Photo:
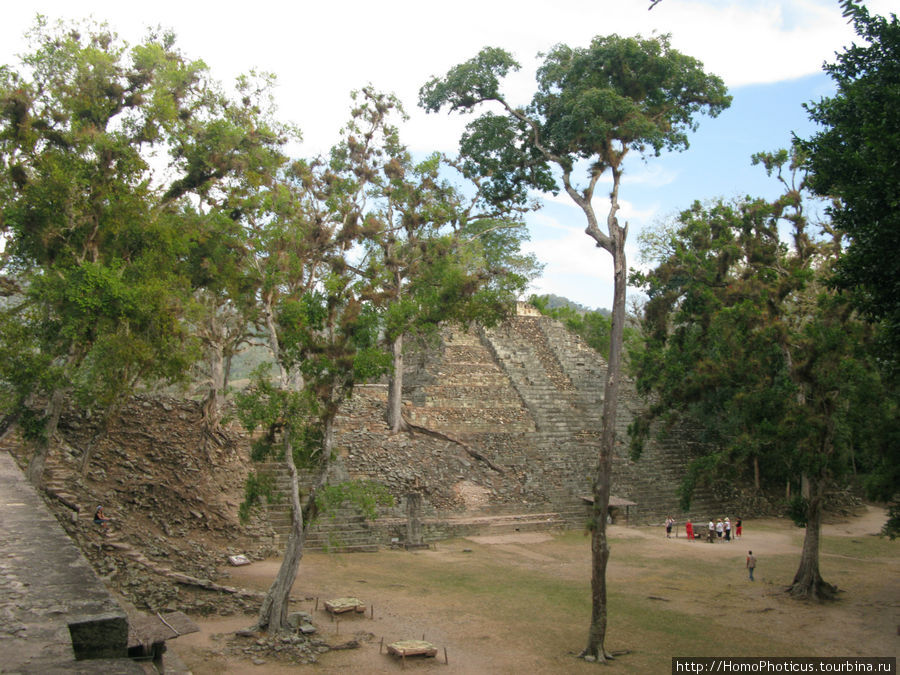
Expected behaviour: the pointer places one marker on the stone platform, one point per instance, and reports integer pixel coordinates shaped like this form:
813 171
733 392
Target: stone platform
55 614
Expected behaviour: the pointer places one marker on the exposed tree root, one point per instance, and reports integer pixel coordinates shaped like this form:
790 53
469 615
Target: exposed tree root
447 437
819 591
605 657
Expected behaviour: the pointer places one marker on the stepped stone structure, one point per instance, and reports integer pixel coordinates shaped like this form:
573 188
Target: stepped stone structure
505 427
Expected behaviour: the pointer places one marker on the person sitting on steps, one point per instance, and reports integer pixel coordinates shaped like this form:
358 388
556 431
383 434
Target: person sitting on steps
100 519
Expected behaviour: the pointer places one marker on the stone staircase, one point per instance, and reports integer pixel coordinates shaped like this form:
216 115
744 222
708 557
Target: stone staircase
528 395
344 530
347 530
561 381
468 392
552 385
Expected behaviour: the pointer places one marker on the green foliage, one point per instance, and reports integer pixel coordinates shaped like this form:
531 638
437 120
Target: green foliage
370 363
259 485
469 83
594 103
798 508
105 243
281 413
366 495
32 425
639 91
892 526
854 160
747 345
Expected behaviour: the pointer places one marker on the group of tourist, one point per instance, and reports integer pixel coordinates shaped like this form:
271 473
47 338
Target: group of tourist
720 529
715 529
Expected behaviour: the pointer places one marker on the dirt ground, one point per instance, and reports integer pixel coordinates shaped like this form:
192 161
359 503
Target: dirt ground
503 604
645 567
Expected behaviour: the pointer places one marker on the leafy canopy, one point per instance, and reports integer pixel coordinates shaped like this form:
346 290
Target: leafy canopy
594 103
854 160
745 342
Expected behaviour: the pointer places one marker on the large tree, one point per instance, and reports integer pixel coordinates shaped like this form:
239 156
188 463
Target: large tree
320 320
745 341
593 106
106 153
91 244
854 160
245 135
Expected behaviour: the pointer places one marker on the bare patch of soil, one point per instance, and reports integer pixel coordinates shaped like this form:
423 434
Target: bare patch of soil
667 573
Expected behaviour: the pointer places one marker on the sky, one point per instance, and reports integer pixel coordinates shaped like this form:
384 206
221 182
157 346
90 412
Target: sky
769 53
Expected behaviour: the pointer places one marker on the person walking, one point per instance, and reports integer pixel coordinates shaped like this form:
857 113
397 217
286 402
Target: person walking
751 563
737 531
689 530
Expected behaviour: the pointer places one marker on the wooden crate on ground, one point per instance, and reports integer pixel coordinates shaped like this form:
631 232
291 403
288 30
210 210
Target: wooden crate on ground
404 648
341 605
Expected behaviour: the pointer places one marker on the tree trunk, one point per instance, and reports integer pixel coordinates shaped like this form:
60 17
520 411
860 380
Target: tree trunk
35 472
284 377
274 611
596 649
395 388
808 583
756 483
226 374
215 397
102 430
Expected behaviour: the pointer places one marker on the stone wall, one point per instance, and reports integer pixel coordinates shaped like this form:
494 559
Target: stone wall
55 614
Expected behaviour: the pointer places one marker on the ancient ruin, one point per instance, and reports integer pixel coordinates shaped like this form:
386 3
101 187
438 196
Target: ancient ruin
505 424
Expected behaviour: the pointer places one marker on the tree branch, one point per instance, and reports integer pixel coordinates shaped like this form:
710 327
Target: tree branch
437 434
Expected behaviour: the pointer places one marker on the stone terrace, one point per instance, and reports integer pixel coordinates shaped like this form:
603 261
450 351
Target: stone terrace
50 597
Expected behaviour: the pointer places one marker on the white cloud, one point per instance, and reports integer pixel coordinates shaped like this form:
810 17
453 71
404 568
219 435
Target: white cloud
574 266
321 51
574 253
762 40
